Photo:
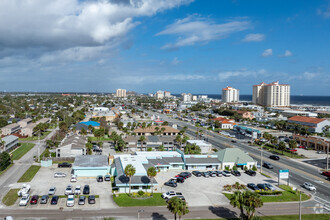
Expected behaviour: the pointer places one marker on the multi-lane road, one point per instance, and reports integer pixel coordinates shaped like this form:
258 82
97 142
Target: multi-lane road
299 172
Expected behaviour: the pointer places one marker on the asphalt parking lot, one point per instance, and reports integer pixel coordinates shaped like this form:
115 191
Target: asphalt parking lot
321 163
45 179
201 191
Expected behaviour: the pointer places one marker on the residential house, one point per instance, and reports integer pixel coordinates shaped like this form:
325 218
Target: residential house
10 129
23 123
225 123
72 146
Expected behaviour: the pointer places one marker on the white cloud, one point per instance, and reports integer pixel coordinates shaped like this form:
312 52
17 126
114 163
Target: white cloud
142 79
267 53
287 53
69 24
175 61
324 11
309 75
254 38
243 73
193 29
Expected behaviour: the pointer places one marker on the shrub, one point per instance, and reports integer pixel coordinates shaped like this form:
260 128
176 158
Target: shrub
245 168
141 193
271 193
149 149
235 168
254 168
227 168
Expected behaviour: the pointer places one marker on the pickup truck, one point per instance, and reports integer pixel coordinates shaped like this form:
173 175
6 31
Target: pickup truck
24 190
170 194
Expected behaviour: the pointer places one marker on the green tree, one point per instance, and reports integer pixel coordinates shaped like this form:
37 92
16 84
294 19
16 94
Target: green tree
178 139
252 201
89 147
165 123
83 131
5 160
192 149
129 172
177 207
142 139
161 148
152 172
281 146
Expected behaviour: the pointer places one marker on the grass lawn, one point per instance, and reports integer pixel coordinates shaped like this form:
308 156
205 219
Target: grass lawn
124 200
22 150
287 196
283 153
29 174
285 217
11 197
3 171
35 138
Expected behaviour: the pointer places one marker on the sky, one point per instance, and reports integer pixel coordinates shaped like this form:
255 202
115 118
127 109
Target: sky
196 46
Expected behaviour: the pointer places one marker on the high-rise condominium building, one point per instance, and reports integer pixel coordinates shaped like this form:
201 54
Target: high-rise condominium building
273 94
186 97
159 94
121 93
167 94
229 94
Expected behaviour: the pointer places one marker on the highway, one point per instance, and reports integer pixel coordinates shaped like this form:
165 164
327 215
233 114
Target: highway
299 172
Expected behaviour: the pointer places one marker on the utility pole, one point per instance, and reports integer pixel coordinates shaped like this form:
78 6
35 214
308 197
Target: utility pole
327 157
38 147
261 159
299 205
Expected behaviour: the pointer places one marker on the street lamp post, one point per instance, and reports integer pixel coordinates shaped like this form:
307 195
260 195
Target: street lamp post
327 157
299 205
261 159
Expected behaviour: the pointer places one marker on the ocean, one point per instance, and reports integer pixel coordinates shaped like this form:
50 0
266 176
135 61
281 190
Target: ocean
295 99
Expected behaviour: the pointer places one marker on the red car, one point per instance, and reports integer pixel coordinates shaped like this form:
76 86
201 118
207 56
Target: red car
326 173
293 150
302 147
34 199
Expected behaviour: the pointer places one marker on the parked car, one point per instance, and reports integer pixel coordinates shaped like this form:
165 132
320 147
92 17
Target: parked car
44 199
293 150
59 174
86 190
236 173
68 190
274 157
81 200
179 180
268 165
206 174
52 190
270 186
326 173
320 152
54 200
212 174
262 186
226 173
24 200
168 194
34 199
218 172
77 190
252 186
233 141
309 186
171 183
62 165
73 179
197 173
91 199
186 173
107 178
70 200
251 172
99 178
25 189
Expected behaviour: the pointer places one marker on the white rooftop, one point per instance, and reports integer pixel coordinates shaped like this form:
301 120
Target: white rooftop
158 154
198 142
136 161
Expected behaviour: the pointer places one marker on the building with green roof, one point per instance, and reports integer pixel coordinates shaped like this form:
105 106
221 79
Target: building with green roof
234 156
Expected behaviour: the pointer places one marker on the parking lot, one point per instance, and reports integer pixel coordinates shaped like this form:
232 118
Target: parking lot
201 191
45 179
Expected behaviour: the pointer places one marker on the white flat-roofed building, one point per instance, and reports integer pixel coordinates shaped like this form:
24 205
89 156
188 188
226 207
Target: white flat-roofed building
121 93
229 94
136 161
204 146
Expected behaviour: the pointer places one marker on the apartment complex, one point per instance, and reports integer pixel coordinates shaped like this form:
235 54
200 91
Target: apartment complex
121 93
229 94
273 94
186 97
159 94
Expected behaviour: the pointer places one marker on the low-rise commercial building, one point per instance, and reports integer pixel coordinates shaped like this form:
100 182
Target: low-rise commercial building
313 142
204 146
313 124
91 165
153 142
231 157
225 123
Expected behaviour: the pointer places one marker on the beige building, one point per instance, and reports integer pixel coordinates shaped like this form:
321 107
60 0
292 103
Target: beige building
229 94
121 93
23 123
28 130
273 94
10 129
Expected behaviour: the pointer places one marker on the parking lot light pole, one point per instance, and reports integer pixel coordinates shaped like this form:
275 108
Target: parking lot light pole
261 160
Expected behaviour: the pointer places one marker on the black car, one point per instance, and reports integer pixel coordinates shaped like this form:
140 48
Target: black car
274 157
99 178
197 173
64 165
252 186
91 199
236 173
251 172
107 178
86 190
186 174
179 180
171 184
233 141
54 200
268 165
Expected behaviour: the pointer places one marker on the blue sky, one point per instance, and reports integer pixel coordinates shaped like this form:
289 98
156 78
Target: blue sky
196 46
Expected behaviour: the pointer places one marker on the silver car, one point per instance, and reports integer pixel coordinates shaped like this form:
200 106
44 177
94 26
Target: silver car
59 174
52 191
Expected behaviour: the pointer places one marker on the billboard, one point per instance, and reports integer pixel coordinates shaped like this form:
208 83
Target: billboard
283 174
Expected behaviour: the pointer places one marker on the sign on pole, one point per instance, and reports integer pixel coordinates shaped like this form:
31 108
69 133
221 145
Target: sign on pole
283 174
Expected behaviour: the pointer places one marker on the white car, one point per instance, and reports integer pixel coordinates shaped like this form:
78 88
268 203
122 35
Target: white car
24 189
73 178
226 173
309 186
59 175
24 200
77 190
70 201
168 195
52 191
68 190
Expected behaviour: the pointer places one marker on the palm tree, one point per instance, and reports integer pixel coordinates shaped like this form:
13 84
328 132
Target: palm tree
237 200
152 172
281 146
252 201
178 139
142 139
162 130
157 130
129 172
177 206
